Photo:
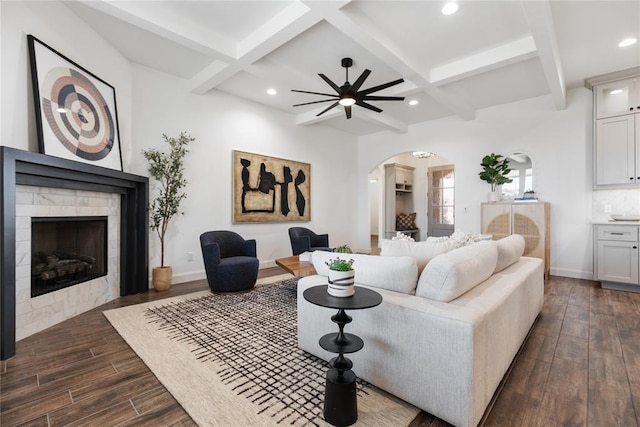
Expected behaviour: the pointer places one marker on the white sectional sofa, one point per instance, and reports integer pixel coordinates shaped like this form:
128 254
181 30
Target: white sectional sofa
445 334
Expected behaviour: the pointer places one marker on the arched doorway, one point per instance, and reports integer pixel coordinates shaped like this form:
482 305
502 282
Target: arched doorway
389 195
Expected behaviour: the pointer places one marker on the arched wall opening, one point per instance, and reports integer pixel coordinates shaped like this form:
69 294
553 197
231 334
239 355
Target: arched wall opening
388 198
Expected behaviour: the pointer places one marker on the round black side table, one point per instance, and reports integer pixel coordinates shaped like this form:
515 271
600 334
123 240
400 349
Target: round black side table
340 401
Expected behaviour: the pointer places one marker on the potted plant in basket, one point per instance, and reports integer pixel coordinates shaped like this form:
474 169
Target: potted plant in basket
341 278
495 169
168 170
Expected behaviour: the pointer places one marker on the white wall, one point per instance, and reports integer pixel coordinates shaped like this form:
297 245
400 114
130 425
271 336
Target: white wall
558 142
222 123
54 24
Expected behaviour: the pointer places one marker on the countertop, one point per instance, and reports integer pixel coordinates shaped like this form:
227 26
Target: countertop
612 222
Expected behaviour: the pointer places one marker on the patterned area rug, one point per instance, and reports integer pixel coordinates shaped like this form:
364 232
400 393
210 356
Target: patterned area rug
232 359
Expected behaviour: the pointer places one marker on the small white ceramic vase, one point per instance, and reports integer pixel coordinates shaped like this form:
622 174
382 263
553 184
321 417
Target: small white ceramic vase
341 283
494 196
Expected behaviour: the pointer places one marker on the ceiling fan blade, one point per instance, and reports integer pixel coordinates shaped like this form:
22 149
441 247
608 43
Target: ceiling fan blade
356 85
327 109
313 93
315 102
368 106
383 98
347 110
380 87
330 83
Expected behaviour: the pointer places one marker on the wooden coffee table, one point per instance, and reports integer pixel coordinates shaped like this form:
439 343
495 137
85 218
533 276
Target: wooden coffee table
296 267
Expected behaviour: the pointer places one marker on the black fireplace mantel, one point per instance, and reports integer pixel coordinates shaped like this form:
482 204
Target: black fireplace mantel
26 168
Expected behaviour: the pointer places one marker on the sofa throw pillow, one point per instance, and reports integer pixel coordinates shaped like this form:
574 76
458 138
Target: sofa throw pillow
423 252
406 221
450 275
510 249
398 274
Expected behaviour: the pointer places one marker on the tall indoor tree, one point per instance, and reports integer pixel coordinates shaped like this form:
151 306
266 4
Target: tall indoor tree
168 170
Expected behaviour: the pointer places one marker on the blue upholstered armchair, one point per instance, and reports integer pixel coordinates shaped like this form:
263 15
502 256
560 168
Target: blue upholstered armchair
305 240
229 261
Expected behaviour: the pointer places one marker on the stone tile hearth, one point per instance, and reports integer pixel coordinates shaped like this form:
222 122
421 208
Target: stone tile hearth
41 312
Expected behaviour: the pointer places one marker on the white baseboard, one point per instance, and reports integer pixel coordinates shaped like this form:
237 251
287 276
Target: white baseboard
201 275
574 274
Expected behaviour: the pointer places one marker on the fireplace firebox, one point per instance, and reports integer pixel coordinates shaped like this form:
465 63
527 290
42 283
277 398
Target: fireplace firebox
67 251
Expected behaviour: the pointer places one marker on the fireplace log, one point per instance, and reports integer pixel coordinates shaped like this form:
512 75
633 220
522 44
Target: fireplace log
74 256
60 264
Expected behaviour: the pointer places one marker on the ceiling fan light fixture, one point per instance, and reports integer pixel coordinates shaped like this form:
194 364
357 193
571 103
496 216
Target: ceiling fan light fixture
450 8
349 94
423 154
628 42
346 101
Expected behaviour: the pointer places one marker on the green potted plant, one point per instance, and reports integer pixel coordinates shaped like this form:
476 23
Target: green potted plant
168 170
341 278
495 171
343 249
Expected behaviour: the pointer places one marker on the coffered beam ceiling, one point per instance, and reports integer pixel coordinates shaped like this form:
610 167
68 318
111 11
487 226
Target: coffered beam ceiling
540 21
493 52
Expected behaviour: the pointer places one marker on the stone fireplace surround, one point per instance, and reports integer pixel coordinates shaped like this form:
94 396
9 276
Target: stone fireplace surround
31 169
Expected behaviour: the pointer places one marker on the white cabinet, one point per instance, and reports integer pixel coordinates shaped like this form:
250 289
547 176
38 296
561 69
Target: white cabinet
403 177
529 219
617 257
617 133
617 98
615 151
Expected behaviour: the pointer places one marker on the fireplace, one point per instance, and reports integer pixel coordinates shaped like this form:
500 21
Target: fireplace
67 251
119 195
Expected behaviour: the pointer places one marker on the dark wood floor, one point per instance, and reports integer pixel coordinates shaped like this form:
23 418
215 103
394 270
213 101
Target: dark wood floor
579 367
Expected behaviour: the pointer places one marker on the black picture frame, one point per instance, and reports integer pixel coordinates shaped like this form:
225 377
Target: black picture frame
76 113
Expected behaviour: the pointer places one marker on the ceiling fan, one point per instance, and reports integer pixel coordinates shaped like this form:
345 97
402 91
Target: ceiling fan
348 94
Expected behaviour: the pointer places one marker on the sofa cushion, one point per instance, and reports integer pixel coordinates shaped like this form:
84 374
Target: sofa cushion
423 252
406 221
510 249
398 274
452 274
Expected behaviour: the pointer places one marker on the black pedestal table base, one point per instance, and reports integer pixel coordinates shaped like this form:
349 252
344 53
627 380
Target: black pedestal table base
340 400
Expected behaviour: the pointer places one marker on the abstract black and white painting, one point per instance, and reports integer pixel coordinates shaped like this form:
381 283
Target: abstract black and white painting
270 189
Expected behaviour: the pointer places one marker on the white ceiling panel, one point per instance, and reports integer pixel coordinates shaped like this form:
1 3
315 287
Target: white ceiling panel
488 53
518 81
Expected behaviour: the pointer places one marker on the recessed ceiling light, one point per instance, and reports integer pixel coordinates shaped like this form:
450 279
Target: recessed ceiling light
272 91
615 91
449 8
414 102
627 42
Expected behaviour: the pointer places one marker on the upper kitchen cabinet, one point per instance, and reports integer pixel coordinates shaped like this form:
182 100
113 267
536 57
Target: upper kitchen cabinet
617 98
616 140
616 151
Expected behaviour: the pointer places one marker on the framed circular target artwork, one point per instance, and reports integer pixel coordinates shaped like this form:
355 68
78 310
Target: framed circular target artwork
76 112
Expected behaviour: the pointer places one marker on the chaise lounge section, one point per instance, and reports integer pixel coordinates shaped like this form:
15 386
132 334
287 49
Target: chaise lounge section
443 339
